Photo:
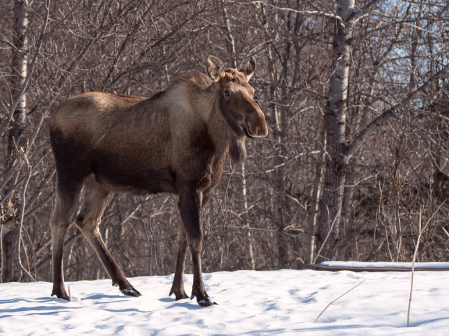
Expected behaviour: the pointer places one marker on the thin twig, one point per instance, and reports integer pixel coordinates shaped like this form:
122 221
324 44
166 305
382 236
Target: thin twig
328 234
413 269
433 215
447 233
338 298
22 214
414 256
32 253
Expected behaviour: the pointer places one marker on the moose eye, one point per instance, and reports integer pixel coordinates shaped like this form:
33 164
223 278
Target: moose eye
227 94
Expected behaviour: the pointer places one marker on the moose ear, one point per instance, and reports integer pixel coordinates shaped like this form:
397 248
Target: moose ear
248 67
215 68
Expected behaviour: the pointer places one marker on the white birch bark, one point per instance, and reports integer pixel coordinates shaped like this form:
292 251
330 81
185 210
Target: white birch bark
335 121
240 166
18 75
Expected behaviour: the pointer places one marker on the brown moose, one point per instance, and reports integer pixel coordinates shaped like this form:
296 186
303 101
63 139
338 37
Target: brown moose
177 142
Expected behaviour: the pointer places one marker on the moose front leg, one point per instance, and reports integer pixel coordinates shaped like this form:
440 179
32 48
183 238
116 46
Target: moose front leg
190 202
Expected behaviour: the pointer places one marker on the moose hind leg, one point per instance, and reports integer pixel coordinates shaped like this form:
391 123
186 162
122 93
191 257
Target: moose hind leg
190 202
66 198
88 221
177 287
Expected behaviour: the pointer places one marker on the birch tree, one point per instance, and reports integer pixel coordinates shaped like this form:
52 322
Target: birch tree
19 116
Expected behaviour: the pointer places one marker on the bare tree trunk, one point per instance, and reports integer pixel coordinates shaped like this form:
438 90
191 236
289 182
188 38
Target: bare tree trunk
19 70
361 117
335 120
347 231
19 73
280 115
240 166
282 205
412 82
314 206
229 36
244 212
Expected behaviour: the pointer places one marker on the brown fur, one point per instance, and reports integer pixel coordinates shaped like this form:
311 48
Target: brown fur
177 141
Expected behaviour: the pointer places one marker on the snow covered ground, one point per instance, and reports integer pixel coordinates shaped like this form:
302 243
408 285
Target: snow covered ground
282 302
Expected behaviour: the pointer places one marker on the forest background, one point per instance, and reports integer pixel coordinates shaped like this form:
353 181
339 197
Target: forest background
355 95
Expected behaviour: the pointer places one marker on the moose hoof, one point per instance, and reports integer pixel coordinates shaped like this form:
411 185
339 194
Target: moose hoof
131 292
65 297
206 303
60 295
179 296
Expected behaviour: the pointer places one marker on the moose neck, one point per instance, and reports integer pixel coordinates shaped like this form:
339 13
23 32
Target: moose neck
204 98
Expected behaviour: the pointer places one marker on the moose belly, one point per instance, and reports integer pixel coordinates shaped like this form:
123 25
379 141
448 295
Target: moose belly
125 175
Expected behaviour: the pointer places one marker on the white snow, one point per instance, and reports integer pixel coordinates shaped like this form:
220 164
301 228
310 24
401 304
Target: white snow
282 302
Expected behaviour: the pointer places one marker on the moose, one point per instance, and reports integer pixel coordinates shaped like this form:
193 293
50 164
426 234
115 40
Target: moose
177 141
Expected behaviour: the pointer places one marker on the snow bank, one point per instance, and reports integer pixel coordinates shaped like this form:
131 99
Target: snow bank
418 265
282 302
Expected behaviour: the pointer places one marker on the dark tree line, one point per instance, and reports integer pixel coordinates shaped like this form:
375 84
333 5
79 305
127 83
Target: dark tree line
355 95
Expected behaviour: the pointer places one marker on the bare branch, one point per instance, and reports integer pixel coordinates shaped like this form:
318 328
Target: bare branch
363 135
